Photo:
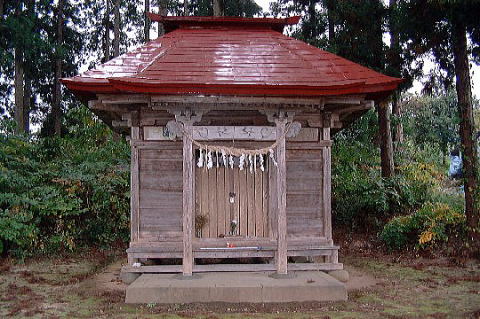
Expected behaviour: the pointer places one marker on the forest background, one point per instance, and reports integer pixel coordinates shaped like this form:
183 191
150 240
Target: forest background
64 175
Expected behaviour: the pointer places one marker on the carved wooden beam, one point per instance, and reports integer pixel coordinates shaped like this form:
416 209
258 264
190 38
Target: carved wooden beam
124 98
187 116
226 101
219 133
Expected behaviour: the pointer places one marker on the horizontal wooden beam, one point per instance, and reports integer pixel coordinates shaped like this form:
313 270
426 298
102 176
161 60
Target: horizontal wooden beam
195 100
124 98
294 243
345 99
366 105
237 133
233 267
123 124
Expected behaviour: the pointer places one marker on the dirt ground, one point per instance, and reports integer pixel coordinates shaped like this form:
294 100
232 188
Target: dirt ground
87 286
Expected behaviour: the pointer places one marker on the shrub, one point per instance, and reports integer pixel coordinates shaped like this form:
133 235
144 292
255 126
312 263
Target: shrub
432 224
64 193
363 199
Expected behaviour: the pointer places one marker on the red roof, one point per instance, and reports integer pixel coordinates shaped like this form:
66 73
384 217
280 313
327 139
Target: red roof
230 56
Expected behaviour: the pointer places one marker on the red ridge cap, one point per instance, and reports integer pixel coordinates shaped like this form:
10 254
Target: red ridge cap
171 23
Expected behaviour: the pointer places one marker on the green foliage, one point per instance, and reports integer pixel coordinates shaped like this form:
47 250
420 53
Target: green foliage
361 197
432 120
232 8
432 224
30 27
313 25
358 36
64 193
359 194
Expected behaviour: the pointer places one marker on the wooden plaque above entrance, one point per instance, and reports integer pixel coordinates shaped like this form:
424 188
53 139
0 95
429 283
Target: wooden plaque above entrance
240 133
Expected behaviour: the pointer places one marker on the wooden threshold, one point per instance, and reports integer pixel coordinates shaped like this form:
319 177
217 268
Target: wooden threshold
166 250
234 268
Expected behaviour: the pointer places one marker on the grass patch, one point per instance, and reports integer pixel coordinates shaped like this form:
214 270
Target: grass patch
65 287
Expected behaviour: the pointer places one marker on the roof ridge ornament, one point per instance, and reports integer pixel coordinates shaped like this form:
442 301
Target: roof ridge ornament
174 22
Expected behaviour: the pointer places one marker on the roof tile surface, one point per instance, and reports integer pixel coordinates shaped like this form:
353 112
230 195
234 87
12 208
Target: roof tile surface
231 60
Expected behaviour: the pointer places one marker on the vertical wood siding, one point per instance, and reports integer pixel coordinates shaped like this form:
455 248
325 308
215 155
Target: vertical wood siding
250 207
160 194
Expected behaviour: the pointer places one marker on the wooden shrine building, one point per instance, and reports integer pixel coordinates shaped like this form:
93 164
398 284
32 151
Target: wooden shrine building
230 125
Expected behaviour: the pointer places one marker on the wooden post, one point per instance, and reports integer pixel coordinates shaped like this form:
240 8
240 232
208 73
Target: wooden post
327 179
188 194
280 118
134 186
281 197
187 118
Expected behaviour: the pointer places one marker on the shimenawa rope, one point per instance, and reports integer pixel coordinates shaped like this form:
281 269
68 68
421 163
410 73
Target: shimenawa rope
230 150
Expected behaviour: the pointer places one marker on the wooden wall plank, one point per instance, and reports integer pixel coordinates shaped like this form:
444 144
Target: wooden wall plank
242 193
250 204
212 201
157 199
221 200
265 207
272 203
229 188
198 199
258 207
163 154
205 208
236 205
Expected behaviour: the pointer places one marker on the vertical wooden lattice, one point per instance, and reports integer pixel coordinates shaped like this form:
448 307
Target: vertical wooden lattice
214 189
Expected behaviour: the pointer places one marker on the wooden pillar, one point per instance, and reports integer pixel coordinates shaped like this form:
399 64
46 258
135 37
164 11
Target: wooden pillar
280 118
185 117
188 194
327 179
281 197
134 182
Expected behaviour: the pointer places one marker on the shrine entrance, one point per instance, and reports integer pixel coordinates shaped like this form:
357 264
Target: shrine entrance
231 202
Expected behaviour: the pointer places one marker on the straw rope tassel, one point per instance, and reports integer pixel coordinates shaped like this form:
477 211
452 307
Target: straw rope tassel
245 155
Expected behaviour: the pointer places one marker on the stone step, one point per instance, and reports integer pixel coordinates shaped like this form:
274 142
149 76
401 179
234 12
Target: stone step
235 287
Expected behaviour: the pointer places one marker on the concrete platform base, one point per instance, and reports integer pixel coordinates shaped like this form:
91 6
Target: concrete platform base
236 287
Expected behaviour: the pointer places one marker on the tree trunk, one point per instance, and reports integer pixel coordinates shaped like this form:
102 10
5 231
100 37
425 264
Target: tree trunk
106 35
19 92
27 102
218 9
384 112
1 9
57 97
186 12
386 146
162 10
19 80
331 21
395 64
116 29
311 32
397 113
147 21
465 109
